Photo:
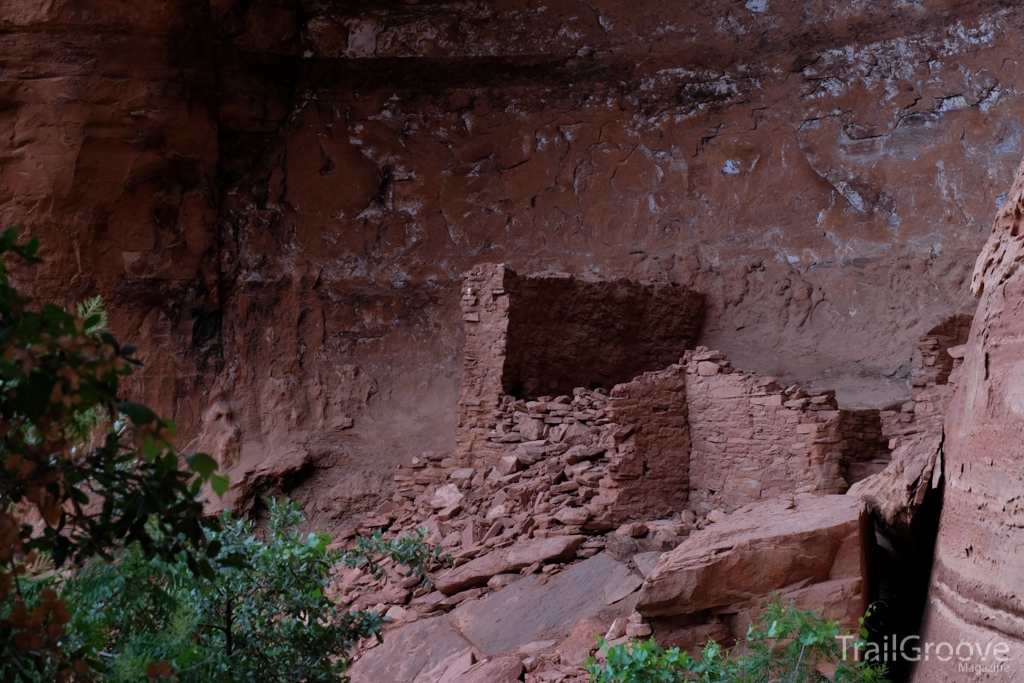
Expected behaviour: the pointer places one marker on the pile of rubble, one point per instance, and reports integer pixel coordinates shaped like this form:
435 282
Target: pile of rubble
538 498
536 511
551 417
534 508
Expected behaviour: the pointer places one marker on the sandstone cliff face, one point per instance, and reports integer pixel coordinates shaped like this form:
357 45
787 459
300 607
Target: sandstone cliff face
278 197
976 589
109 155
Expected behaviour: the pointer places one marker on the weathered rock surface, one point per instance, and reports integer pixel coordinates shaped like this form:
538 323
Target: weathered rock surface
500 670
110 156
895 494
450 670
646 562
810 548
535 614
277 199
408 651
977 587
535 609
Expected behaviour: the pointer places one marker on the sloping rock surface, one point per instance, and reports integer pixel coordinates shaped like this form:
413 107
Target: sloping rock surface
895 494
406 652
531 610
536 609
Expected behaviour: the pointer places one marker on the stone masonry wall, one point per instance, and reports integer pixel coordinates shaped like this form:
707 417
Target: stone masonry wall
649 473
697 435
931 388
600 331
633 444
867 449
936 361
753 439
485 318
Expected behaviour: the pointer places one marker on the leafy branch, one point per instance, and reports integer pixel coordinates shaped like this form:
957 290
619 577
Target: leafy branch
783 645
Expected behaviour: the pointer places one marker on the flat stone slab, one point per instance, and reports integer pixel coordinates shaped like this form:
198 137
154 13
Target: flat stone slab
478 572
527 610
646 562
407 651
500 670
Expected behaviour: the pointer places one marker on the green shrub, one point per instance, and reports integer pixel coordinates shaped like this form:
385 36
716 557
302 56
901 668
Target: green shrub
783 645
263 616
91 469
164 592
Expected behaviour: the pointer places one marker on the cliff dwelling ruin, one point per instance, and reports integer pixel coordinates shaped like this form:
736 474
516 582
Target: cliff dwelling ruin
626 304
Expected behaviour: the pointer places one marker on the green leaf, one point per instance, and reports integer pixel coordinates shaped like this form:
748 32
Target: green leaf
136 412
10 238
206 569
234 560
150 449
31 248
220 484
202 464
80 496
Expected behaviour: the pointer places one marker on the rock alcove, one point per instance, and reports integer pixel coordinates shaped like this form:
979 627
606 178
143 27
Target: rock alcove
768 213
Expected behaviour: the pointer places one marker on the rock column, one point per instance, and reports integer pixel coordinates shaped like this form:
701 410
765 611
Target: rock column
976 596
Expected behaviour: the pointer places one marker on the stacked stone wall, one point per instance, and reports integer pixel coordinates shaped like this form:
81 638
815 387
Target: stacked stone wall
537 334
485 318
754 439
698 435
867 449
649 473
637 438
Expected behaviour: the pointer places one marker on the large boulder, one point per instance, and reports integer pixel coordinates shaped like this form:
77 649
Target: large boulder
500 670
409 651
809 548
